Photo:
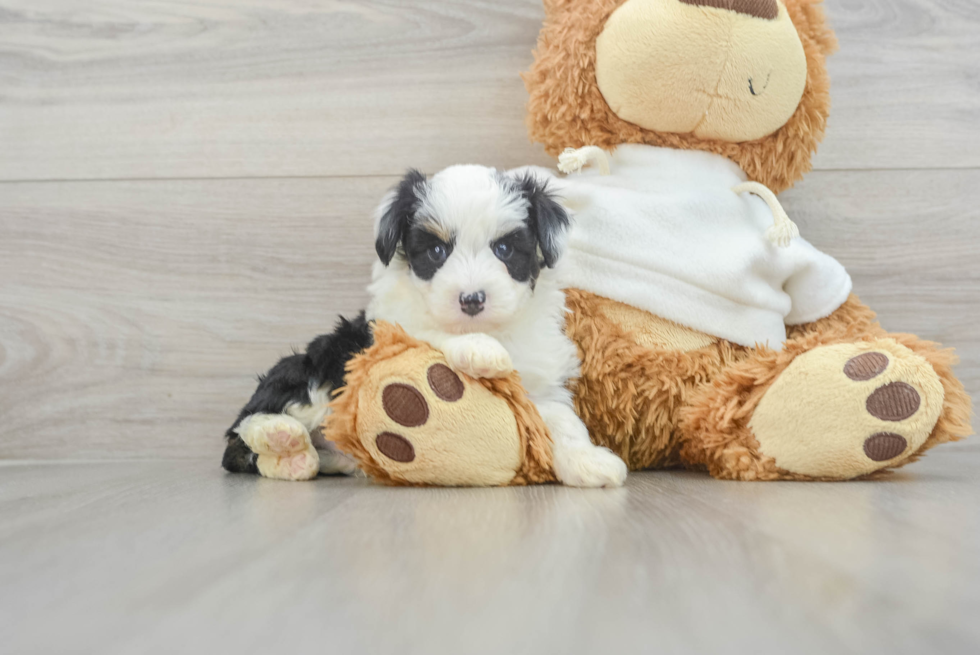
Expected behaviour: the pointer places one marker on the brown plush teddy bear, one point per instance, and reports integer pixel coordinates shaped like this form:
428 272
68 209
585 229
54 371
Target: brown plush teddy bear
712 337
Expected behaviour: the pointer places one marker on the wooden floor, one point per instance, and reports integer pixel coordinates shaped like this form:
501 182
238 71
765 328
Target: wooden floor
185 192
171 557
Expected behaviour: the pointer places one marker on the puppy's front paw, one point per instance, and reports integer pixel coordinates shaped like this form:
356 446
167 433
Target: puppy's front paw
589 466
478 356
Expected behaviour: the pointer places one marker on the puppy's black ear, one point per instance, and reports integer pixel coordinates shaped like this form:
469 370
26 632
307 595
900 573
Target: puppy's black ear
546 218
396 216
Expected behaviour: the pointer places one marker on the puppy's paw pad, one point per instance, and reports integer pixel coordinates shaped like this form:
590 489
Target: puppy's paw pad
285 441
590 467
274 434
299 466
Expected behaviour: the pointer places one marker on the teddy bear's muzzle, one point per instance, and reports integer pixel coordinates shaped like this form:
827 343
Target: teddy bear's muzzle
730 70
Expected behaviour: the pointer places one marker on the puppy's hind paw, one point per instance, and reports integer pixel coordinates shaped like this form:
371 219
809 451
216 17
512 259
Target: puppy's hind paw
589 466
283 446
303 465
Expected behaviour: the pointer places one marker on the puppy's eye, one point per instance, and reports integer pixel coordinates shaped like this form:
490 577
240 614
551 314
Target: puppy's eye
503 251
437 253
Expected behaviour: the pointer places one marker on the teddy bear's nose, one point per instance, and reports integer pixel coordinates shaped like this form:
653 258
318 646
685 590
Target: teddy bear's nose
767 9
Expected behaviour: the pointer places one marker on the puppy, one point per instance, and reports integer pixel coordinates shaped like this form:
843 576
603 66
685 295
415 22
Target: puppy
469 261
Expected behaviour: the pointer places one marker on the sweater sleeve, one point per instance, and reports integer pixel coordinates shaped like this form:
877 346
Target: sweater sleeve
818 284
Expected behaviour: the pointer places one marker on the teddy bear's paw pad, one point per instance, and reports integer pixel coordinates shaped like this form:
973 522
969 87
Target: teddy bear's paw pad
405 405
847 410
434 426
445 383
395 447
884 446
866 366
589 466
896 401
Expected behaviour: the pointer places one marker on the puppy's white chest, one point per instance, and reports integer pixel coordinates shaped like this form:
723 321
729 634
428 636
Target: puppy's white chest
543 363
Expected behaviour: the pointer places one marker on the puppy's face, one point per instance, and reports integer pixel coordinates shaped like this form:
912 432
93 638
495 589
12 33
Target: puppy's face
473 242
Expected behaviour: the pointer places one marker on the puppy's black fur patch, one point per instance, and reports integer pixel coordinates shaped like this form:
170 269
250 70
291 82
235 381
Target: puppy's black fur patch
522 263
546 218
291 379
397 218
419 247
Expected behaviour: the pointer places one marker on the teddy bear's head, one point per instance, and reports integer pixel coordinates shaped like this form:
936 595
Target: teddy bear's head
745 79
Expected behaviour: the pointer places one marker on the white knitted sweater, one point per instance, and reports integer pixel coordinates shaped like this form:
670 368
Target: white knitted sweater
665 232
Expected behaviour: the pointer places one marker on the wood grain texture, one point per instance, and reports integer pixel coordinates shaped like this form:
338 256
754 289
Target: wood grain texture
261 87
255 88
134 315
903 85
166 557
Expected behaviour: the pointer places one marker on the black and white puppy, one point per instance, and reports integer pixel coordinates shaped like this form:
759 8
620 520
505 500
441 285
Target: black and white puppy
469 261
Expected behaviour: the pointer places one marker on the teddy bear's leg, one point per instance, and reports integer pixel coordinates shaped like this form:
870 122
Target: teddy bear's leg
282 445
843 399
638 372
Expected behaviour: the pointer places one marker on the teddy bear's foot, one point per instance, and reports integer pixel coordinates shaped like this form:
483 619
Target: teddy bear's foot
845 410
419 422
282 445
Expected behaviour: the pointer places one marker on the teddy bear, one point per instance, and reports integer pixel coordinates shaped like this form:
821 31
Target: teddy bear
712 336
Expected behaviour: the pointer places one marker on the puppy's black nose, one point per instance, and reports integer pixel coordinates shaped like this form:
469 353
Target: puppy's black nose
472 303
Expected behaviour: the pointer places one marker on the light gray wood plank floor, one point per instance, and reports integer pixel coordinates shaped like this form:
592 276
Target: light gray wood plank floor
179 557
185 194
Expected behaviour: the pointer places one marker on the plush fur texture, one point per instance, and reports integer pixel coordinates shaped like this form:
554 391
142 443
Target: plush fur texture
719 414
660 407
391 342
630 396
567 110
